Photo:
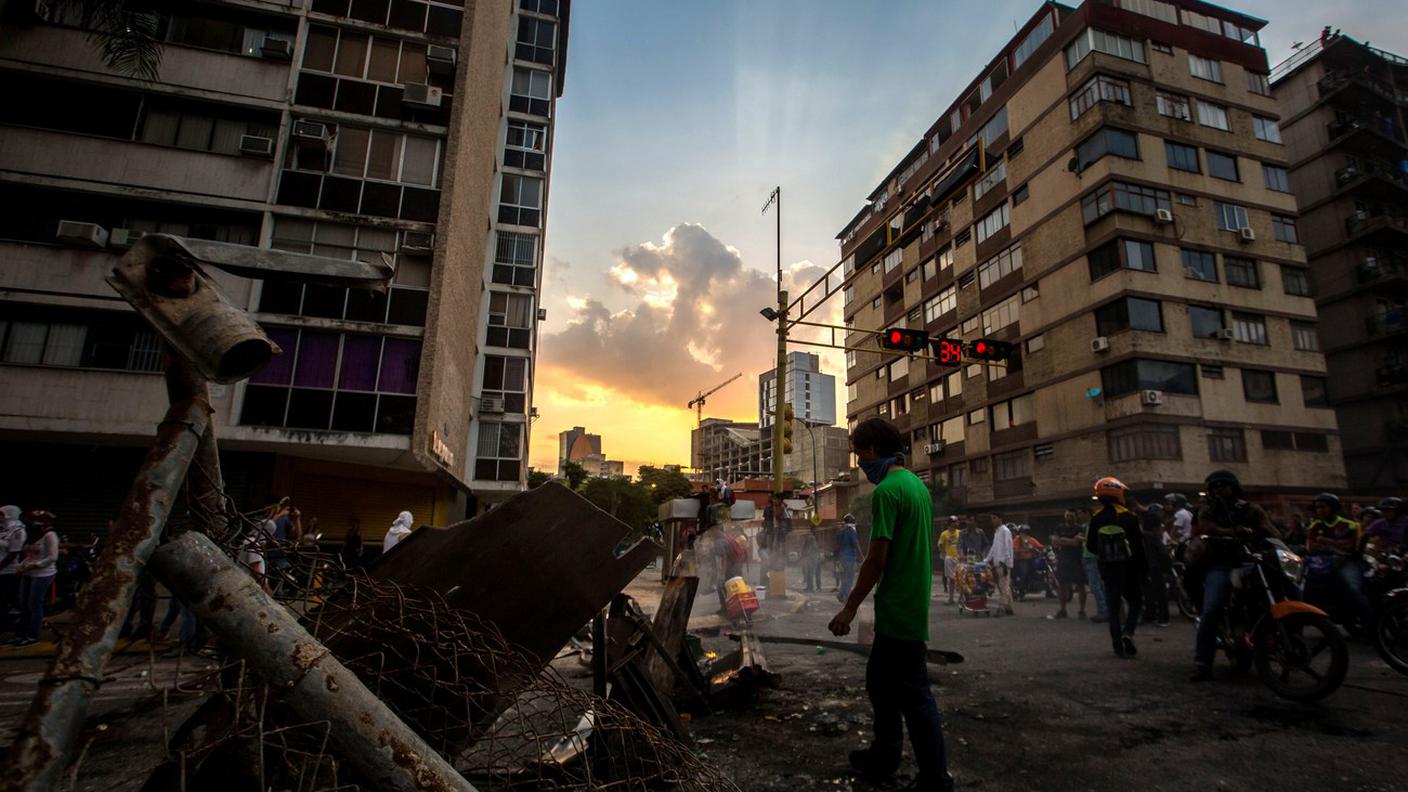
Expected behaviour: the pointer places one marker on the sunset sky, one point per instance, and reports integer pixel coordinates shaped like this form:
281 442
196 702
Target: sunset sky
677 121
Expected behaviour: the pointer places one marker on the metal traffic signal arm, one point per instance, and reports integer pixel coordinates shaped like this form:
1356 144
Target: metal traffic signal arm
983 350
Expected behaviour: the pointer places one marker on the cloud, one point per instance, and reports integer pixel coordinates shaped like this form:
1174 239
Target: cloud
694 321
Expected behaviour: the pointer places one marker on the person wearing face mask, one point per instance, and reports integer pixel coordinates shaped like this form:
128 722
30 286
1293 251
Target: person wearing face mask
900 559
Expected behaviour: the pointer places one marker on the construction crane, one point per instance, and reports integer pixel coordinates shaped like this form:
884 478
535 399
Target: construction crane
698 401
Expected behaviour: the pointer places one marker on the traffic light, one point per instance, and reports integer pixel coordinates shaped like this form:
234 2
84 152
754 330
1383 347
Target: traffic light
902 339
990 350
947 351
788 415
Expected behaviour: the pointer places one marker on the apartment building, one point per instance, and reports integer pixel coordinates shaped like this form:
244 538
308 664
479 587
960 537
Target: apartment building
1109 193
1343 104
729 450
811 392
344 128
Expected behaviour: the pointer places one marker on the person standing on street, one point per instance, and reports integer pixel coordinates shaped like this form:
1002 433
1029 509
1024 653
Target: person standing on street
948 551
12 536
1115 538
1025 549
900 559
999 560
1158 564
811 562
37 570
848 552
1069 541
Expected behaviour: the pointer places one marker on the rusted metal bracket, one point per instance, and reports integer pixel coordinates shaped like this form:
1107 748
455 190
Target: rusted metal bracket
267 264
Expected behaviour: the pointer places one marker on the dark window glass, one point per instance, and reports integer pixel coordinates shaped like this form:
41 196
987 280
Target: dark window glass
1020 195
1134 375
1259 386
1310 441
263 405
407 15
1130 313
354 412
1181 157
325 302
1241 272
1199 265
315 90
1222 166
1104 259
1207 322
1295 281
1139 256
396 414
280 297
1227 445
1313 391
309 409
1108 140
1277 441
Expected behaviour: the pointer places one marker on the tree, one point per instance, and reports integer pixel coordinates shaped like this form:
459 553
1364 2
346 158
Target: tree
128 34
537 478
664 484
575 474
626 500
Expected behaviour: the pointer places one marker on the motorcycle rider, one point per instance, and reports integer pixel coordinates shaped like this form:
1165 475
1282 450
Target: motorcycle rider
1025 549
1114 537
1392 527
1331 533
1182 517
1224 519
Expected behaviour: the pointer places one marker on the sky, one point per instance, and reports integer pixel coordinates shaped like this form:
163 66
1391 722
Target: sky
677 121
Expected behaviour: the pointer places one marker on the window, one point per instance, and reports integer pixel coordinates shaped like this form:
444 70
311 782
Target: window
1305 337
910 277
1034 39
1266 129
515 258
1284 229
971 324
995 128
995 176
1227 445
532 92
947 300
944 258
1013 466
1173 106
1206 322
340 382
1199 265
1001 315
510 320
1185 199
992 222
1152 442
1259 386
1213 115
961 239
387 156
1123 197
1241 272
936 392
1129 313
537 39
899 369
1108 43
976 417
1030 293
1205 68
1000 266
1160 47
1258 83
1295 281
521 200
1276 178
507 378
1152 8
1238 33
1181 157
1314 391
1036 343
958 476
1212 371
1108 140
1126 253
1294 441
526 145
1099 89
196 130
893 259
405 304
1222 166
849 293
1249 328
499 453
951 431
953 384
1210 24
1015 147
1135 375
1020 195
545 7
362 57
1231 217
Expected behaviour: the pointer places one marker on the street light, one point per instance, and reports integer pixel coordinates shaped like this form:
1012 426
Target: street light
769 314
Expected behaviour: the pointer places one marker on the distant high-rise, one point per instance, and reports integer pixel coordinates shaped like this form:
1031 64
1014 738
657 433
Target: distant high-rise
575 444
812 393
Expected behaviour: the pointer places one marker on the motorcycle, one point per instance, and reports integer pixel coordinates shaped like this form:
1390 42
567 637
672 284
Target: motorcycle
1388 576
1298 651
1040 576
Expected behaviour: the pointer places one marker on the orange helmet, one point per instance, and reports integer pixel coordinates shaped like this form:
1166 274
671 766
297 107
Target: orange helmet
1110 487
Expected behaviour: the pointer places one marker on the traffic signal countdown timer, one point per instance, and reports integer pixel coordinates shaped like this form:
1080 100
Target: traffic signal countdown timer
946 351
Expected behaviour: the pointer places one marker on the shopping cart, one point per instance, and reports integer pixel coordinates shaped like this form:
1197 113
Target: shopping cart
974 586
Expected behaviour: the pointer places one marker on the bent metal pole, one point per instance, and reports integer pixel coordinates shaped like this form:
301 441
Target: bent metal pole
227 600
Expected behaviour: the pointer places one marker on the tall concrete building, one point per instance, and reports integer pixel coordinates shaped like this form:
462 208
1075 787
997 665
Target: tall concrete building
729 450
575 444
343 128
1343 106
811 393
1109 193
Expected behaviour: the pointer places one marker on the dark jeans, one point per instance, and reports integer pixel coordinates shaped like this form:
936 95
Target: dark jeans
1156 588
848 578
897 680
1351 577
811 574
34 591
1021 573
9 601
1122 583
1217 592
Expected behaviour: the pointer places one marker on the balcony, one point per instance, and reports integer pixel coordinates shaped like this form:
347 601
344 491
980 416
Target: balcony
1379 136
1392 374
1375 178
1392 267
1337 81
1392 322
197 174
1366 222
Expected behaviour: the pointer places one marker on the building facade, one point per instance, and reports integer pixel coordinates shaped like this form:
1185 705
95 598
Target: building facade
1343 106
575 444
1108 194
729 450
418 130
811 393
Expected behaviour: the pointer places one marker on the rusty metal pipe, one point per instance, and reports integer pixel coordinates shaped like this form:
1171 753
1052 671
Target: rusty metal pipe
383 750
49 736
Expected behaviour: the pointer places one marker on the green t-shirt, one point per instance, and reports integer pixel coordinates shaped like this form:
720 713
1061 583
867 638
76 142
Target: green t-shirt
902 512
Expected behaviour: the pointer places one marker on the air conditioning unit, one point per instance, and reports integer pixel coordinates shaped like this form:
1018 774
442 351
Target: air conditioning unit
1151 398
1246 234
491 404
1225 334
417 243
256 146
311 134
1163 216
542 314
123 238
82 234
935 448
440 60
420 95
1100 344
276 48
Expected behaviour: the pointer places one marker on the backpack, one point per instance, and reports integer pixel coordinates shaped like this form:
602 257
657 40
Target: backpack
1112 543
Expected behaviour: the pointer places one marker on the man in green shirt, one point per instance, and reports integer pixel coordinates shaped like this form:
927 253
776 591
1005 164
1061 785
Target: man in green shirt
900 559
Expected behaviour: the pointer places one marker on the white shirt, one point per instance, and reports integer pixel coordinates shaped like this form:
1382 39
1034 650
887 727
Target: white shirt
1183 524
12 541
1001 550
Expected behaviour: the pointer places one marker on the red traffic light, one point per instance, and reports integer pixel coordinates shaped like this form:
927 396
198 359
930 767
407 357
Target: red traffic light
990 350
901 339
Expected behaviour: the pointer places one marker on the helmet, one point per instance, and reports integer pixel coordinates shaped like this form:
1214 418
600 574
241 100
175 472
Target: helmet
1155 509
1218 477
1329 499
39 517
1110 487
1176 499
1023 528
1391 503
849 519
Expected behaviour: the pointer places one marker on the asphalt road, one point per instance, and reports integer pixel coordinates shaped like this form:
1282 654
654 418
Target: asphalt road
1045 705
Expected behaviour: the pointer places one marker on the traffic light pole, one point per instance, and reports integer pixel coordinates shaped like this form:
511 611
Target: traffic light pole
779 401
